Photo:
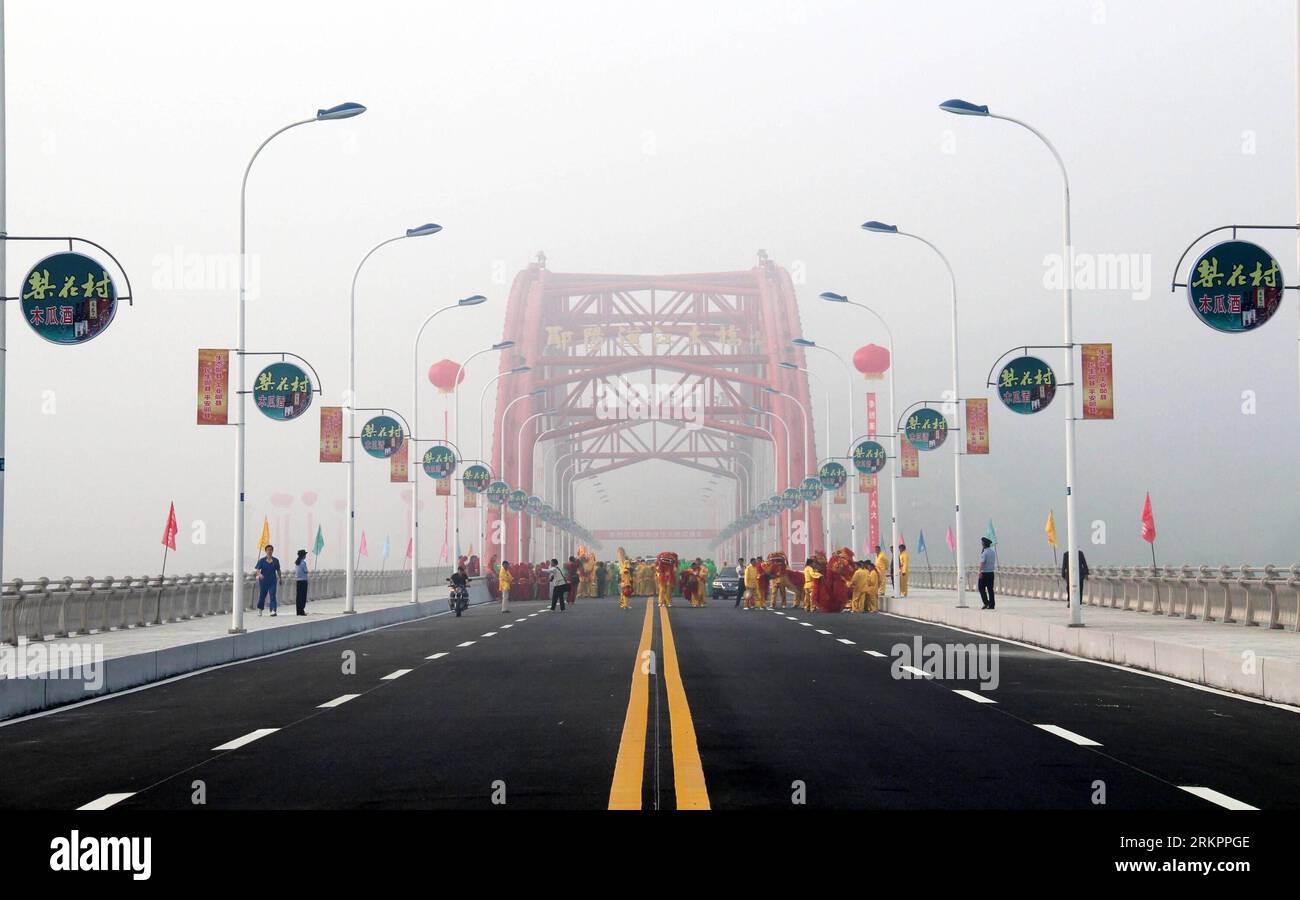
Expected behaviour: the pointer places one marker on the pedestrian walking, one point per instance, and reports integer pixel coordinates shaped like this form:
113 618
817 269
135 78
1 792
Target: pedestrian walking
300 582
268 579
1083 572
571 574
602 576
988 565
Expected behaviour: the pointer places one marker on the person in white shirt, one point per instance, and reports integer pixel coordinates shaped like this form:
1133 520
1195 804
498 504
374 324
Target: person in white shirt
988 564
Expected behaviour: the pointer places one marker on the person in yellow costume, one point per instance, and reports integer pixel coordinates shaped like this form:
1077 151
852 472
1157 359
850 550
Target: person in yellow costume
864 584
751 584
503 584
882 569
902 570
645 579
810 576
666 577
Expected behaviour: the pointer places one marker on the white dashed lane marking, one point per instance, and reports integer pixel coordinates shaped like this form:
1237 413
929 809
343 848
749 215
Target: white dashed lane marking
466 644
844 640
920 674
106 801
489 634
398 674
338 701
246 739
436 656
874 653
1203 792
822 631
974 695
1068 735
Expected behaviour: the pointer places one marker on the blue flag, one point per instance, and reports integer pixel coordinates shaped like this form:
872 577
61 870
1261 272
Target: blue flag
991 534
387 546
920 542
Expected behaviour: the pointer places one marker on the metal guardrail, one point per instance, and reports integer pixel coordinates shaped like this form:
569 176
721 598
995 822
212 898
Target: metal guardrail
46 608
1264 596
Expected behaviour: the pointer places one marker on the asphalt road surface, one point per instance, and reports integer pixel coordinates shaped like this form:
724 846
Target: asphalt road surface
598 707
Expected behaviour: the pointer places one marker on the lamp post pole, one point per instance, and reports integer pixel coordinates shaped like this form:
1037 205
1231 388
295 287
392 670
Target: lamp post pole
455 399
962 107
342 111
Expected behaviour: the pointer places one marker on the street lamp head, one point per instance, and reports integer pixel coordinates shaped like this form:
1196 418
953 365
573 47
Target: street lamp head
787 365
834 297
879 228
503 345
422 230
771 390
342 111
963 108
537 393
519 370
757 409
553 411
471 301
803 342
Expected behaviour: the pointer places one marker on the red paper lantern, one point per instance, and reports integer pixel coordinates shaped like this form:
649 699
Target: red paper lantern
445 375
872 360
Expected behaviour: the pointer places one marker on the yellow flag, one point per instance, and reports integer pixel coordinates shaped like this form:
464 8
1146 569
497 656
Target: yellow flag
1051 529
265 537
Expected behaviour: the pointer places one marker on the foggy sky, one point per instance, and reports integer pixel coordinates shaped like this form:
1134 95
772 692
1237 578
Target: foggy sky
646 138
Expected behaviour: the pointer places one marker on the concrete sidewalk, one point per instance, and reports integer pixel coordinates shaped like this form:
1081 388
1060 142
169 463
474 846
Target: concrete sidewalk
1243 659
39 675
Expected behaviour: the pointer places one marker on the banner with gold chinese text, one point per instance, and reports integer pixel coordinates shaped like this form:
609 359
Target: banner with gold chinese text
397 471
471 500
911 460
331 434
1098 382
214 387
977 426
842 493
866 483
444 487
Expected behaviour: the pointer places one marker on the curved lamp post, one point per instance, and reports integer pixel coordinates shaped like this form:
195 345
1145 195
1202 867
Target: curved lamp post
342 111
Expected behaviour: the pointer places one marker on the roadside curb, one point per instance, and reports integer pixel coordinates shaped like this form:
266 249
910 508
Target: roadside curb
20 696
1273 679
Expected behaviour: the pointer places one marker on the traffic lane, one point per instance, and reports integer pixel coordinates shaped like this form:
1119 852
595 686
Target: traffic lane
127 741
776 703
533 714
1182 733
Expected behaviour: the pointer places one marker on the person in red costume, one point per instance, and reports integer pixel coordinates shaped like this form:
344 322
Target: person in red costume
833 592
666 576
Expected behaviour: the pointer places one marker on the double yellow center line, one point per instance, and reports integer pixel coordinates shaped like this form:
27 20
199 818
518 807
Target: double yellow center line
688 771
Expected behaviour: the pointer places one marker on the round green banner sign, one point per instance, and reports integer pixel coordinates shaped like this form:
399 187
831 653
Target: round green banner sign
68 298
282 391
381 437
1026 385
1235 287
926 429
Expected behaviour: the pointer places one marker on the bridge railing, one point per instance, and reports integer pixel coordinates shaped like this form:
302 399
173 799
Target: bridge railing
1266 596
49 608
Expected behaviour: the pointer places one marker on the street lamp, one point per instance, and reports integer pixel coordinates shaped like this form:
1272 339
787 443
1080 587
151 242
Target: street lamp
501 460
519 476
349 604
882 228
342 111
806 429
789 542
455 399
826 524
964 108
414 460
893 475
848 379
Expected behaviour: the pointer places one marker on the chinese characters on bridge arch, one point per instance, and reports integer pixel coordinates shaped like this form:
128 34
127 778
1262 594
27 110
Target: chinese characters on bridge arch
624 339
68 298
1235 286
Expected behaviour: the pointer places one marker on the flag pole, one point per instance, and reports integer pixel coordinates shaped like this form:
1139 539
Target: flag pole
158 604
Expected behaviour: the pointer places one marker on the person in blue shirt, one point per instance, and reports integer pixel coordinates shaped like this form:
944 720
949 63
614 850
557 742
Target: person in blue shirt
988 565
300 581
268 578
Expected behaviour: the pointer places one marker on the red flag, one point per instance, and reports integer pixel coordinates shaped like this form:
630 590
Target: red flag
362 551
169 531
952 542
1148 522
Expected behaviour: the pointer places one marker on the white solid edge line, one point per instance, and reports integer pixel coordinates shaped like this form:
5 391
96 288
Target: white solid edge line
466 644
874 653
1203 792
398 674
1068 735
436 656
246 739
973 695
338 701
40 714
106 801
1101 662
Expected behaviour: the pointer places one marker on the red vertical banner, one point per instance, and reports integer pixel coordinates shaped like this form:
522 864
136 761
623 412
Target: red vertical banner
1098 382
397 463
911 460
977 426
873 497
331 434
214 387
